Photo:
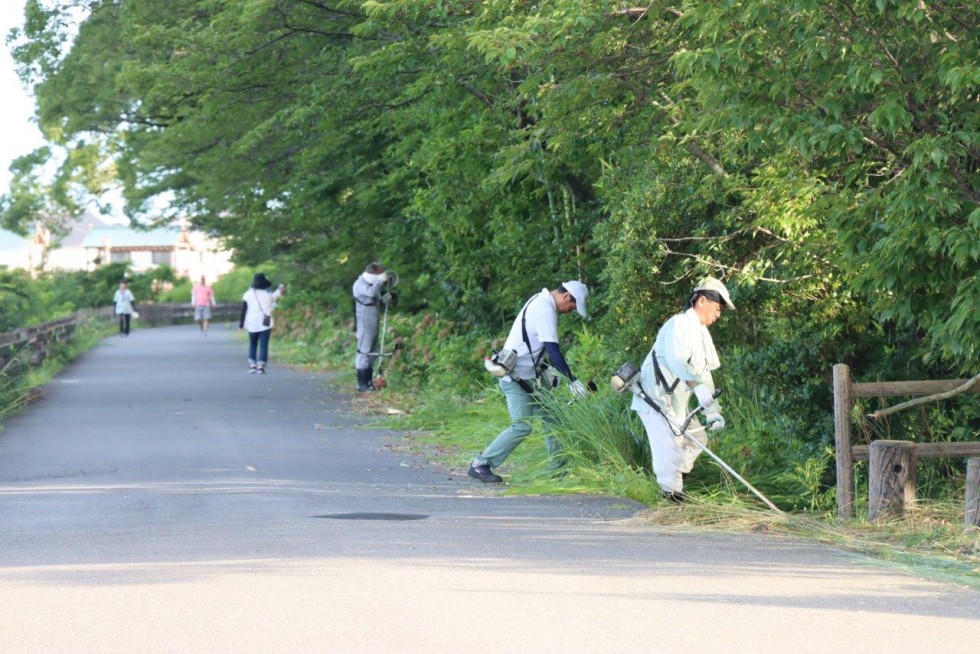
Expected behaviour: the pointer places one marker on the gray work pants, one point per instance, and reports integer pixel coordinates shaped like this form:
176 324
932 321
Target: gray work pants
367 335
520 405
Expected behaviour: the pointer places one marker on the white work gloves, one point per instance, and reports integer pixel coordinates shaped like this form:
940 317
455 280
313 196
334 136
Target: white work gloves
714 421
578 389
712 418
705 396
386 298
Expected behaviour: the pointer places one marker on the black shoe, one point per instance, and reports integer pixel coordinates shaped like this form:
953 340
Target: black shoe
483 473
364 379
677 497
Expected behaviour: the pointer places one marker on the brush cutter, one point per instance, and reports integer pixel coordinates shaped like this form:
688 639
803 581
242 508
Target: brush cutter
627 377
379 380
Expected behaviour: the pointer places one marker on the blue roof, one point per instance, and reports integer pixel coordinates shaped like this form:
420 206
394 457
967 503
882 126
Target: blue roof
10 242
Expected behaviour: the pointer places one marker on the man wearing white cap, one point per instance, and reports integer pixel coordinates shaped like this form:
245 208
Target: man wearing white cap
678 366
534 333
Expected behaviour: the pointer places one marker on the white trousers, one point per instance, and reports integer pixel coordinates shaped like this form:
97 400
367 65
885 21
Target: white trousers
672 455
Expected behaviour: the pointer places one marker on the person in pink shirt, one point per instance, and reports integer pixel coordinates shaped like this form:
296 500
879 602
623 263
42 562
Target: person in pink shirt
202 297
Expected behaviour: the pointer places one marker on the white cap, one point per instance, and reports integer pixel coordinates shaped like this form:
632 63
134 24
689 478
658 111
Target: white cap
712 284
580 292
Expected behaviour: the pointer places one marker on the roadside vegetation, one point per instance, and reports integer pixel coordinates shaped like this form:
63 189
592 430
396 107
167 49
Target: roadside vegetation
448 408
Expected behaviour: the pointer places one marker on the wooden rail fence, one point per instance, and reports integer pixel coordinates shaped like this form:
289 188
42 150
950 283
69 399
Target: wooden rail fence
28 347
892 462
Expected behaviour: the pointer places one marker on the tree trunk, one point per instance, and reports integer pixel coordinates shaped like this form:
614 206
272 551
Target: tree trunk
972 511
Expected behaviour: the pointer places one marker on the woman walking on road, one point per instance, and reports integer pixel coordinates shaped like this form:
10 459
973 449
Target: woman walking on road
257 305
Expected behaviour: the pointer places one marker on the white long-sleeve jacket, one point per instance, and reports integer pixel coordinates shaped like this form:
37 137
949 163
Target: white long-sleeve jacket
685 351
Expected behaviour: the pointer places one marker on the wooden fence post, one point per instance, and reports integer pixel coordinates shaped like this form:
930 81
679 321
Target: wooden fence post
971 513
842 439
891 478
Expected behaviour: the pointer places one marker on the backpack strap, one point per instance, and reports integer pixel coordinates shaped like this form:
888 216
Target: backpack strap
527 339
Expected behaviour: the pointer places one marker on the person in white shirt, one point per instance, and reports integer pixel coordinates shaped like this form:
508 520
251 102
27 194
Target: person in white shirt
125 305
678 367
258 303
369 293
534 333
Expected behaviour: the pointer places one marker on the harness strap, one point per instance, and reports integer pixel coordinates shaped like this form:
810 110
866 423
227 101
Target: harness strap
660 376
527 339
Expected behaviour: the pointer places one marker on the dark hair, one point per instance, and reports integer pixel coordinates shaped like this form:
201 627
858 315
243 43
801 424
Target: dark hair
561 289
374 268
714 296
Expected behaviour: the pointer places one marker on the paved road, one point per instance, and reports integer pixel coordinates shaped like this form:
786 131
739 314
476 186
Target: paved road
161 499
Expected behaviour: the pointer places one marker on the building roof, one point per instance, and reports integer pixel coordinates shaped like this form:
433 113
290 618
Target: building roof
80 229
11 242
125 237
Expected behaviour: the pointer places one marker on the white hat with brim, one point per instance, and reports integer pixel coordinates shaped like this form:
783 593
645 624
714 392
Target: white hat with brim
580 292
712 284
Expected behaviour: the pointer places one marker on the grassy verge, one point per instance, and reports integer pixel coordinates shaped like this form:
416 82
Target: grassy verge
447 423
17 391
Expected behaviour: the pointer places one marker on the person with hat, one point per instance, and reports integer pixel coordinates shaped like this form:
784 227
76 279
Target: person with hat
533 334
369 293
258 303
678 367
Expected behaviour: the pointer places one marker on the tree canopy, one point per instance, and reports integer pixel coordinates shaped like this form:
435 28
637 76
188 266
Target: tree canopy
822 157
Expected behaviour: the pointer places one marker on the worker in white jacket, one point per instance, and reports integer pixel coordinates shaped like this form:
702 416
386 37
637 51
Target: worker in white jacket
678 366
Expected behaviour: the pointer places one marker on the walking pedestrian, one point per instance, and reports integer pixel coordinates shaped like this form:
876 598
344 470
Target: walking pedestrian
202 299
369 293
125 306
678 367
533 333
258 303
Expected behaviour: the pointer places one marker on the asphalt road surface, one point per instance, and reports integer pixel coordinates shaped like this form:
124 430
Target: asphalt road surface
161 499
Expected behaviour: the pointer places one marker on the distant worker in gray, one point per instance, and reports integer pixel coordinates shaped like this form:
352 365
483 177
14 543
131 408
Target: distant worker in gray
369 293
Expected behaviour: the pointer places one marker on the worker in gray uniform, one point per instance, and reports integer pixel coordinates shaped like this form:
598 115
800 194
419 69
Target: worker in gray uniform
369 293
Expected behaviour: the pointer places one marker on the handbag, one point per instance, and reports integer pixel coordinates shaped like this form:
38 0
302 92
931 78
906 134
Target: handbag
266 318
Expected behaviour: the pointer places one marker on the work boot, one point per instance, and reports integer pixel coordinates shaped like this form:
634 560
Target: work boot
369 376
363 379
484 474
676 497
